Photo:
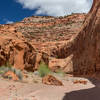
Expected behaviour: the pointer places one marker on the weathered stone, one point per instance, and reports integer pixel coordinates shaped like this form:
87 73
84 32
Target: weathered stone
25 44
80 82
86 58
11 75
85 46
51 80
64 64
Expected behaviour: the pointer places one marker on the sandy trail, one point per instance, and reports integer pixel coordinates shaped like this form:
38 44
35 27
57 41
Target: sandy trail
10 90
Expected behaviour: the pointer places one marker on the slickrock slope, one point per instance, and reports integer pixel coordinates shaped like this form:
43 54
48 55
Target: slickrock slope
52 29
84 49
86 46
24 44
86 59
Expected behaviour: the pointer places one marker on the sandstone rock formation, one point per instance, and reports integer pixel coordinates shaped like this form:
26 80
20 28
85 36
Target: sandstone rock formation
11 75
18 52
80 82
51 80
65 65
85 47
86 59
25 44
50 29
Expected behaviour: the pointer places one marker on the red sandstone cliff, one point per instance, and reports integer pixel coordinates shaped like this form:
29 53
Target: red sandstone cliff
84 49
24 44
86 58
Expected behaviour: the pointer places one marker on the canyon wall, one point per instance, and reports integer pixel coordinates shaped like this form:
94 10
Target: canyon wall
86 57
24 44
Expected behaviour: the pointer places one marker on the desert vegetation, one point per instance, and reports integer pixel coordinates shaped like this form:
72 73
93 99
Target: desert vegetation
9 68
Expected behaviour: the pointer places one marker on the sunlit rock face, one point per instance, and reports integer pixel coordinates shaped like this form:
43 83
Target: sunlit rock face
25 44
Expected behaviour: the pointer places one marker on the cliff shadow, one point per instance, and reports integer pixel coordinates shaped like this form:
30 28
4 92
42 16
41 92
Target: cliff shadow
86 94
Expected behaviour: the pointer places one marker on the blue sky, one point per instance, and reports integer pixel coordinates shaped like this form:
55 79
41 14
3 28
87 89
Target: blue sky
16 10
12 11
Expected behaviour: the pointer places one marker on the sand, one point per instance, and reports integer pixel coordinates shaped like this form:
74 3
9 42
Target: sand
10 90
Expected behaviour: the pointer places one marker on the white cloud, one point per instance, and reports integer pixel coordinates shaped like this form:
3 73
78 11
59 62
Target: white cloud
56 7
6 21
9 22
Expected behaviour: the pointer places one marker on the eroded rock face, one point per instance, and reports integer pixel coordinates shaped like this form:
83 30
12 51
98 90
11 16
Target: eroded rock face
18 53
25 44
15 49
46 29
86 59
85 47
65 65
11 75
51 80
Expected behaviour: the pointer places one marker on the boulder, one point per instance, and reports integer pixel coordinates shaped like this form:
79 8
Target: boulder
51 80
11 75
64 64
80 82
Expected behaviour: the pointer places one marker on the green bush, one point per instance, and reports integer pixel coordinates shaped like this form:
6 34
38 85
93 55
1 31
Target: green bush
3 69
43 69
17 72
8 67
60 72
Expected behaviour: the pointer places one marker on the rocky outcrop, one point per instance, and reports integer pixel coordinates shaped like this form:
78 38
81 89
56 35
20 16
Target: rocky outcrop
15 49
65 65
11 75
85 47
80 82
51 80
50 29
25 44
55 41
19 53
86 59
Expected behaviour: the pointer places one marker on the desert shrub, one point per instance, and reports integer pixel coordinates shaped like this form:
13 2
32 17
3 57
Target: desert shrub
60 72
7 67
18 73
43 69
3 69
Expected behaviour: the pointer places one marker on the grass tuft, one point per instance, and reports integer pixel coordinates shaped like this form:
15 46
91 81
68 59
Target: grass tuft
43 70
60 72
7 67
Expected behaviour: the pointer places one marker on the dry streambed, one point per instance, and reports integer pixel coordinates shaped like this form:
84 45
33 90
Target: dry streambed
31 88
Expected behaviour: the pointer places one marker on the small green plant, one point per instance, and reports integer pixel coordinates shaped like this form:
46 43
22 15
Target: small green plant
59 25
5 68
2 69
43 69
18 73
8 67
57 56
35 81
60 72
